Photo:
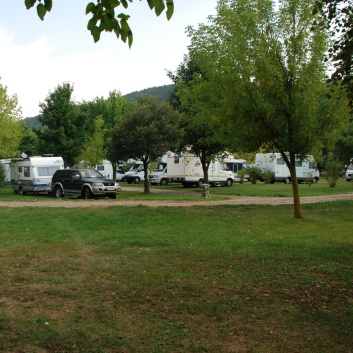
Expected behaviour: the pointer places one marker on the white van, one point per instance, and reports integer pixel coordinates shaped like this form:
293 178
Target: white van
34 174
349 171
135 174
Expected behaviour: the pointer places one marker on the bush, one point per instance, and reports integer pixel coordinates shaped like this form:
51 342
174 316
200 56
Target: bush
268 176
241 175
2 175
333 171
254 173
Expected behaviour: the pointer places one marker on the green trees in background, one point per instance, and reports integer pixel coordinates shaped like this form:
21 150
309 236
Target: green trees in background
266 70
104 17
67 127
11 127
147 130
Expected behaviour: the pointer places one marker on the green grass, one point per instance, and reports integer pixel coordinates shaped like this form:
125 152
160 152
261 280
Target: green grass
200 279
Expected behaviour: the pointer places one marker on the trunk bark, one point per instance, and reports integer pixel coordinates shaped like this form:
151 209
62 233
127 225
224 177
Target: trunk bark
146 183
295 188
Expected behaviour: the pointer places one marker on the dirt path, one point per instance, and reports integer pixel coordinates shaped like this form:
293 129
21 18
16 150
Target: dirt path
232 200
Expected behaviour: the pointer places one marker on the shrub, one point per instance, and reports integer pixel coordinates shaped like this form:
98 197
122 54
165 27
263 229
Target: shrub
268 176
2 175
333 171
254 173
241 175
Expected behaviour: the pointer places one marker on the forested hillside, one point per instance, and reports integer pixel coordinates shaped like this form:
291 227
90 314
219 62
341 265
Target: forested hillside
162 92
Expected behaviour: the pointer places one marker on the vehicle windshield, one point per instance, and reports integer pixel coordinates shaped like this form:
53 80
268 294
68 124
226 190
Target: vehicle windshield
350 167
134 167
90 173
160 167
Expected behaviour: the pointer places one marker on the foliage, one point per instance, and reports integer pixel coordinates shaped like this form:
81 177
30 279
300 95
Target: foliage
2 175
344 146
161 92
241 175
334 170
267 176
11 127
66 126
93 152
338 17
104 17
266 66
29 142
199 122
254 173
147 131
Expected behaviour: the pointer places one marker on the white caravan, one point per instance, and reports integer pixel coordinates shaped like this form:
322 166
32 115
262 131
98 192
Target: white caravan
306 170
6 164
34 174
187 170
106 169
349 171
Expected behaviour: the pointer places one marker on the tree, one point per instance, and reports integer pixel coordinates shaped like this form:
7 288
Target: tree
66 125
266 65
111 110
199 122
337 15
94 152
147 131
104 17
11 127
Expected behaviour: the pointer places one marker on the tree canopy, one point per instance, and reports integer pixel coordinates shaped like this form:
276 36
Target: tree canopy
147 131
104 16
265 66
11 127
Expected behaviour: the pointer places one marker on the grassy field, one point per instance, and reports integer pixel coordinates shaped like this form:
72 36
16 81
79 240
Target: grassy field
202 279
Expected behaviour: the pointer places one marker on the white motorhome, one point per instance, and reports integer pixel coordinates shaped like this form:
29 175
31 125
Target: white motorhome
6 164
34 174
187 170
106 169
235 165
306 170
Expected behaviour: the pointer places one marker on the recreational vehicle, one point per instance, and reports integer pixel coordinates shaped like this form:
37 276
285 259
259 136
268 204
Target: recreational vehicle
135 174
306 169
187 170
34 174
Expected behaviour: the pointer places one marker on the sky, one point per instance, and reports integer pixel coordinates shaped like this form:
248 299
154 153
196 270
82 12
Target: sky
36 56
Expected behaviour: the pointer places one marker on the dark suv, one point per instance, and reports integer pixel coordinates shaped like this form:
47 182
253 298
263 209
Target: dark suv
85 183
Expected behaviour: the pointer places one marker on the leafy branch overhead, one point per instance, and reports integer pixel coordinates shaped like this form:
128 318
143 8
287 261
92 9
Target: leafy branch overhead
104 17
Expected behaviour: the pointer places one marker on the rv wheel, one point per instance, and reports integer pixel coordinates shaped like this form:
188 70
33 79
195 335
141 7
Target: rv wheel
136 180
287 181
163 182
21 191
229 182
314 181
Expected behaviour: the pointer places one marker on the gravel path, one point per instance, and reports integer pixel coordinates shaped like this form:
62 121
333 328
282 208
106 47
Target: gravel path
233 200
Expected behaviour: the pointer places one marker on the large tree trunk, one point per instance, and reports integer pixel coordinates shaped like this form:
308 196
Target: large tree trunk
296 197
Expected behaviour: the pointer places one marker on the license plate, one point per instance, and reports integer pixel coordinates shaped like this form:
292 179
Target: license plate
110 189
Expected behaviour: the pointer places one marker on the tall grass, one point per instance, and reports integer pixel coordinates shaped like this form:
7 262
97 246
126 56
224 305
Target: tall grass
212 279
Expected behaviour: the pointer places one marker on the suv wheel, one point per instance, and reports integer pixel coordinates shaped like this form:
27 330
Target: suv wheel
58 192
87 193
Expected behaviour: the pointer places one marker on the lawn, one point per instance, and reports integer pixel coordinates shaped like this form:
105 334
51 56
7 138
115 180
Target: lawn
200 279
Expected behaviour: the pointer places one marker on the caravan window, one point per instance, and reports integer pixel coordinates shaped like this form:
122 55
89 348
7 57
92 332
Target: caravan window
280 161
27 172
20 169
100 167
47 171
298 163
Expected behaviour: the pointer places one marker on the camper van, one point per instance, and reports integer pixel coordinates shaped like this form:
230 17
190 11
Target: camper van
6 164
106 169
306 170
135 174
187 170
34 174
236 165
159 175
349 171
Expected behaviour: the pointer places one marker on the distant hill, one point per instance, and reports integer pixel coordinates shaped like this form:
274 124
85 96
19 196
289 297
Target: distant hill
162 92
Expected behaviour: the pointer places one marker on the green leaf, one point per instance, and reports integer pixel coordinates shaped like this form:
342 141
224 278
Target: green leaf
96 33
124 3
48 4
90 8
29 3
130 39
151 4
125 26
41 11
170 9
159 6
92 23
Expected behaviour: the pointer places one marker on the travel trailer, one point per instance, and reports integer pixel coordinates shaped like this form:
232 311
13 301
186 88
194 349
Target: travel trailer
187 170
6 164
306 170
34 174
